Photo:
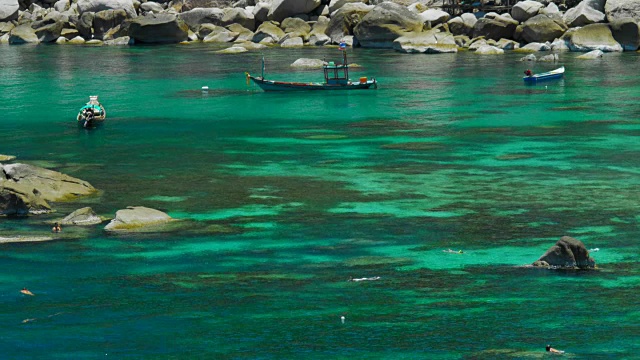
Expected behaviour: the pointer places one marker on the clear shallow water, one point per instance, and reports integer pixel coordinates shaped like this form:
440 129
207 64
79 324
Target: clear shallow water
287 196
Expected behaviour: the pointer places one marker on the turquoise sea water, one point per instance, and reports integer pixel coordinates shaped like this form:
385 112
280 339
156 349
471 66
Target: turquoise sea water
287 196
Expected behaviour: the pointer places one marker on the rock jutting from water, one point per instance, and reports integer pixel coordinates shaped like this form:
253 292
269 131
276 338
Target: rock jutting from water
567 253
27 189
419 26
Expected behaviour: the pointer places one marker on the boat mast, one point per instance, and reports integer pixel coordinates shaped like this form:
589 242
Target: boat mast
343 47
262 66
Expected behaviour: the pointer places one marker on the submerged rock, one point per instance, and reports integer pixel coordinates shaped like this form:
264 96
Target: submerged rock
81 217
567 253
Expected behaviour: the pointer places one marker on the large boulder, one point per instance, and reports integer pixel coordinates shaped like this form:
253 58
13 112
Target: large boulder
50 27
218 34
196 17
158 29
81 217
9 10
620 9
295 27
282 9
317 34
84 25
385 23
138 219
239 16
463 24
105 20
592 37
23 34
433 17
495 27
524 10
193 4
567 253
268 32
335 5
100 5
345 19
27 189
626 31
583 14
542 28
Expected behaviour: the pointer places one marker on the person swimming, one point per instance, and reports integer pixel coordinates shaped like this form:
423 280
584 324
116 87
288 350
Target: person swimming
453 251
365 279
554 351
26 292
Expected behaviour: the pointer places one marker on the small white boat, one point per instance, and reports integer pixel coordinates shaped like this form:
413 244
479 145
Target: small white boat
92 113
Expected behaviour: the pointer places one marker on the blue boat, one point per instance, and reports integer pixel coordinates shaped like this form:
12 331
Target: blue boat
531 78
336 77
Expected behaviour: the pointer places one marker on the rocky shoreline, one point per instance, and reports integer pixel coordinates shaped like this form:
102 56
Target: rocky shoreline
409 26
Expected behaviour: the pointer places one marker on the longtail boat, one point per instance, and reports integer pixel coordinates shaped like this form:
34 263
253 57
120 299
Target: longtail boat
336 77
531 78
91 113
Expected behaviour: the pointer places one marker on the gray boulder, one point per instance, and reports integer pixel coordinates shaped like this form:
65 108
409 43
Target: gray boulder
317 35
291 41
385 23
239 16
620 9
244 34
158 29
193 4
582 15
495 28
463 24
626 31
345 19
567 253
295 27
100 5
335 5
138 219
524 10
306 63
9 10
151 6
269 31
23 34
218 34
592 37
105 20
282 9
591 55
196 17
81 217
261 11
433 17
542 28
489 50
27 189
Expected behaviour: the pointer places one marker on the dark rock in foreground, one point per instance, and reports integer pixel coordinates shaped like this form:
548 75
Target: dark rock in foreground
567 253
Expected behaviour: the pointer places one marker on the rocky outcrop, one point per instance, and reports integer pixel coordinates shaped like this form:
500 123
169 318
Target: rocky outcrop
138 219
268 32
81 217
567 253
158 29
592 37
196 17
385 23
591 55
433 17
463 24
239 16
27 189
305 63
105 20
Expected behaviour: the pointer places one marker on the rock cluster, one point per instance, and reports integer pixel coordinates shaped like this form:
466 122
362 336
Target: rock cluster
419 26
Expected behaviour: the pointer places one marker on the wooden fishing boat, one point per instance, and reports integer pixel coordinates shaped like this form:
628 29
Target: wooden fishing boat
531 78
92 113
336 77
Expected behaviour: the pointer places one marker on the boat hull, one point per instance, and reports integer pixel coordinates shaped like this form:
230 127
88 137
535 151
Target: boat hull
270 85
551 75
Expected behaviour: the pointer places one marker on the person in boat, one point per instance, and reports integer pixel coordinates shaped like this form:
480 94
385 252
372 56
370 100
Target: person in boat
528 72
56 228
553 351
